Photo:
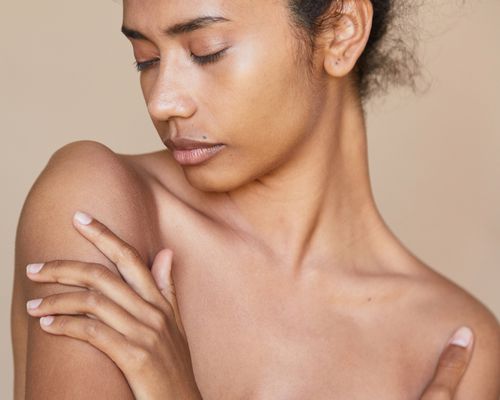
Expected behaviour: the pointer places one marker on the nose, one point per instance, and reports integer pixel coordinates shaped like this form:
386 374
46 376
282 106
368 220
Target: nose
168 97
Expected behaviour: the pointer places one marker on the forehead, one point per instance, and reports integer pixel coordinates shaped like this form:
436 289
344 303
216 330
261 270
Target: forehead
160 21
145 12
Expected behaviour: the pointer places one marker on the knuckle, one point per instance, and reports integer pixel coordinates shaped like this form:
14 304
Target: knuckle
61 323
92 329
93 299
55 264
127 253
53 268
159 321
453 363
101 231
139 358
152 338
50 301
99 272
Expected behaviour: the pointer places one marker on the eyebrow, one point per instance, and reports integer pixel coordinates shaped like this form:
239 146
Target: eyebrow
179 28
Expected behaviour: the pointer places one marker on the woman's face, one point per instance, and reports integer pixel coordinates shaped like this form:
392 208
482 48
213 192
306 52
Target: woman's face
254 98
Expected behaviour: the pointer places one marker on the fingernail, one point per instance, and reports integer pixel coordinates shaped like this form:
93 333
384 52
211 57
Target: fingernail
462 337
34 268
83 218
46 321
32 304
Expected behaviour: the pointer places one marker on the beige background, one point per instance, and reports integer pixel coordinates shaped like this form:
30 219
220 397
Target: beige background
66 74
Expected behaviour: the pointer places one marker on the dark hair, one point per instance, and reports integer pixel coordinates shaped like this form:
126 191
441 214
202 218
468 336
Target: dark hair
389 56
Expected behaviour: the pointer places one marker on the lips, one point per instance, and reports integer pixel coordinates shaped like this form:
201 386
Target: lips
187 144
197 155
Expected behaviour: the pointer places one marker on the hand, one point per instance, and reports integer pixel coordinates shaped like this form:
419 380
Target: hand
134 320
451 366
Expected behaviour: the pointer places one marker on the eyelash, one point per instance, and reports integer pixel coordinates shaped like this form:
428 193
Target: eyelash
201 60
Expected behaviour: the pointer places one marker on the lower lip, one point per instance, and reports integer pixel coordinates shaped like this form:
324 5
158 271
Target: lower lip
196 156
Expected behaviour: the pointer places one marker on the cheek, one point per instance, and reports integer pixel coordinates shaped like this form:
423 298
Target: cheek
260 118
262 110
264 104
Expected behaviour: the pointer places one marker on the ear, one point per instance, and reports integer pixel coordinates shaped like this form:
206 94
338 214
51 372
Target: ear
347 39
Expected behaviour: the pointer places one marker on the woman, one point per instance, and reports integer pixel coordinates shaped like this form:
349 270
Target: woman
288 281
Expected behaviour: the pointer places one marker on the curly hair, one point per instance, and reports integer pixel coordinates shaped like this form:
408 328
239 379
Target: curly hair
389 58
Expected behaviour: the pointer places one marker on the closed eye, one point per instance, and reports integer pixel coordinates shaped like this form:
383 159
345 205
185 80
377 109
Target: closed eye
201 60
141 66
210 58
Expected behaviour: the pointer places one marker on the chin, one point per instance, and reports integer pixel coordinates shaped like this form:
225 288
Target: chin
212 180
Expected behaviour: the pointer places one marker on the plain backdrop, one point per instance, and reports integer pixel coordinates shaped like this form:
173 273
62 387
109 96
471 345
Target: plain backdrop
66 74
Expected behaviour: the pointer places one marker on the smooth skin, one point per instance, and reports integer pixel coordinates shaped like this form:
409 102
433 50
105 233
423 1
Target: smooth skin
289 282
135 320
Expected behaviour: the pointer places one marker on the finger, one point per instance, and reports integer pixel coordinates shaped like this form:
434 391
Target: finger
89 302
125 257
112 343
451 365
162 273
98 277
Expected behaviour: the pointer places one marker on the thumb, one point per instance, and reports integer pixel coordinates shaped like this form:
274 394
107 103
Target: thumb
161 269
451 365
162 274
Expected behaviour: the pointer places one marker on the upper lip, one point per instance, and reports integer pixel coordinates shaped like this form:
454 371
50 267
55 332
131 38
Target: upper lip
187 144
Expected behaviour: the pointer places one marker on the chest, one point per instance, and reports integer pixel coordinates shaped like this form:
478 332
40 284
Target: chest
256 333
254 336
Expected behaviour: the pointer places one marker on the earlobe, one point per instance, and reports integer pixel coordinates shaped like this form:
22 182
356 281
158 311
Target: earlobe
351 33
336 66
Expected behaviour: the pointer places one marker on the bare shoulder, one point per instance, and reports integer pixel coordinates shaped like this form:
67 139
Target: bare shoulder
444 306
89 176
86 176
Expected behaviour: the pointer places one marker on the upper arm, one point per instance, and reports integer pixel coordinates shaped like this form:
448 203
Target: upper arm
481 379
85 176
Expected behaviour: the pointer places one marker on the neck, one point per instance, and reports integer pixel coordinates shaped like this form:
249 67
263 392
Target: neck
318 204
